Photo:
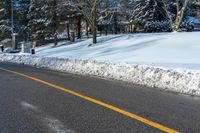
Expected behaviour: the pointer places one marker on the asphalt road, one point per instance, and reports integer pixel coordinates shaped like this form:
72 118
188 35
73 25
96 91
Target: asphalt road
29 106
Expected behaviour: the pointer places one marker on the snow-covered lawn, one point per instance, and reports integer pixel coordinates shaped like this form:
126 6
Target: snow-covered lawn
177 50
170 61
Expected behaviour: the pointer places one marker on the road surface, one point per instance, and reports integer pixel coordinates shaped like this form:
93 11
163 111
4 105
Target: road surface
42 101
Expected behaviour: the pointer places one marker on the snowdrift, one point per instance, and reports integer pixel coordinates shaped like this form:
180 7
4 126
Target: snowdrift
186 82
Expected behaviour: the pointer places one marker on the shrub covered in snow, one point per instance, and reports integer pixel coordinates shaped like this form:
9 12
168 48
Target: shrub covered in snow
186 26
156 26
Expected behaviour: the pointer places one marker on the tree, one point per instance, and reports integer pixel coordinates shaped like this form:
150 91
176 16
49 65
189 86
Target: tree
144 11
109 15
89 9
38 20
53 19
181 7
5 23
21 11
46 18
196 8
72 17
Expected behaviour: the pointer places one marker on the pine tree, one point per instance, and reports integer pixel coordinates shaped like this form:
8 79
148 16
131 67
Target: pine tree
46 16
5 24
196 6
147 10
38 20
21 11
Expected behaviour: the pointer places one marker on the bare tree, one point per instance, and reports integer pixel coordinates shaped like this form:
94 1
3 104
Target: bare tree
175 25
89 9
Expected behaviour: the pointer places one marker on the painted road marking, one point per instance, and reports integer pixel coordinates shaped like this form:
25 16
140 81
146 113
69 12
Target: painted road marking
116 109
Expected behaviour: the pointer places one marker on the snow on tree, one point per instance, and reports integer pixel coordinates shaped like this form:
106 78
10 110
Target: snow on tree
46 17
89 9
145 11
21 8
196 8
38 20
43 19
112 15
70 18
5 24
108 15
176 12
157 26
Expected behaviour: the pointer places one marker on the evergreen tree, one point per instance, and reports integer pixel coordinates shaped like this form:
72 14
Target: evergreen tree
21 11
196 8
38 20
5 15
46 16
144 11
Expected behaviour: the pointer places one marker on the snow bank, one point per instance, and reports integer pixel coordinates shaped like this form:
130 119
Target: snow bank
187 82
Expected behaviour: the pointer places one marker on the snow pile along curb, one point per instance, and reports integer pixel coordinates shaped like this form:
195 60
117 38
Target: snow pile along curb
172 80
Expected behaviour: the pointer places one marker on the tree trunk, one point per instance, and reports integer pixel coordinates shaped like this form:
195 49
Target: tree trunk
180 15
55 39
94 35
79 27
115 24
55 23
178 21
94 26
106 30
72 37
68 34
87 32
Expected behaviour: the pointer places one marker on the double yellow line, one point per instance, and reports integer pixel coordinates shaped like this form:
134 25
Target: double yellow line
121 111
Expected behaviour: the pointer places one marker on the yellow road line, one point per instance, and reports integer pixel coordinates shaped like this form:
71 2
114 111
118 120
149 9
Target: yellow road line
121 111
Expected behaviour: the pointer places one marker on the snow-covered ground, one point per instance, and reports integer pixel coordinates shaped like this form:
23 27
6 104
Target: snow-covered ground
177 50
170 61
